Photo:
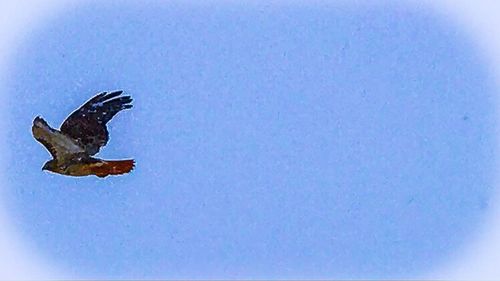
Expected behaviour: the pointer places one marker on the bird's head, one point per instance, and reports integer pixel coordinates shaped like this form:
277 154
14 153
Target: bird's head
49 165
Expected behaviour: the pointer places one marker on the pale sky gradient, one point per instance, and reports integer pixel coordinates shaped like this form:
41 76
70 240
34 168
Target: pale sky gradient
272 141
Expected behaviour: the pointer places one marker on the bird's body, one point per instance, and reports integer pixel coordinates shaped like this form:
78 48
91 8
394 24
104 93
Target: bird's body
81 136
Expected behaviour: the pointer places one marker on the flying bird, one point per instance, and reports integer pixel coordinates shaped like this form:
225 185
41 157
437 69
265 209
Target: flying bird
81 136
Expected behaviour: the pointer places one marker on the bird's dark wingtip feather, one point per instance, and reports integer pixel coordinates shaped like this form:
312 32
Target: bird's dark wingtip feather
126 100
111 95
99 96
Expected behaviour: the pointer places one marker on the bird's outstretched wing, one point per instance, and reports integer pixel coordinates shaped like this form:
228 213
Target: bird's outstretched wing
87 125
60 146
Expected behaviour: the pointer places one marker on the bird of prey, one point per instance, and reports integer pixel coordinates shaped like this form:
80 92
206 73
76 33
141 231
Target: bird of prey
81 136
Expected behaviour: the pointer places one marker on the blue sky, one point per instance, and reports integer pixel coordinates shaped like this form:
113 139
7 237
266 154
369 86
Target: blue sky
285 141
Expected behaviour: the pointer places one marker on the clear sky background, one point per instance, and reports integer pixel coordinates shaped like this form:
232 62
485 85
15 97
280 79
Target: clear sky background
272 141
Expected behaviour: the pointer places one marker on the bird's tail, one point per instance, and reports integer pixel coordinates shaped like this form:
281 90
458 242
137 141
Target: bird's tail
112 167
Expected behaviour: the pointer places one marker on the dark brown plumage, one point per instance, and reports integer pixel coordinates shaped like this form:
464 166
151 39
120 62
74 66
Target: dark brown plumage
81 136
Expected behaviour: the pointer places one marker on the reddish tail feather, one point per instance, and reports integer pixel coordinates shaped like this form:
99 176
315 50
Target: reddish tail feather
115 167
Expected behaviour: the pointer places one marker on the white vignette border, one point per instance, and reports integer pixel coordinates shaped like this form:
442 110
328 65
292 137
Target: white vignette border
480 19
